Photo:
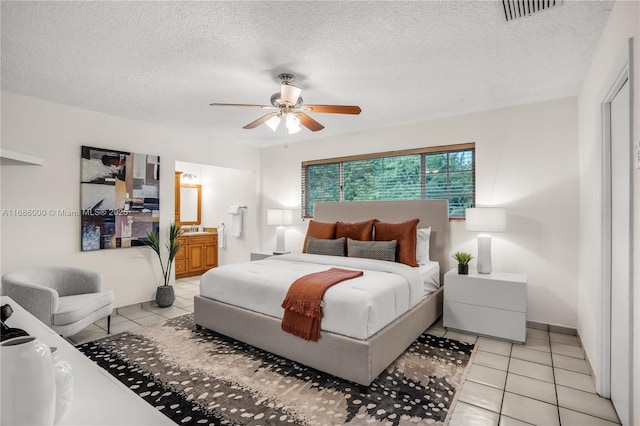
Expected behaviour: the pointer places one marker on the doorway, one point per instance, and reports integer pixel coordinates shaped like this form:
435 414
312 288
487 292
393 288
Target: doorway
618 243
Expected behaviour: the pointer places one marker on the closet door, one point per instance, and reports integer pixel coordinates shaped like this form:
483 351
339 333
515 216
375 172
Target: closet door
621 314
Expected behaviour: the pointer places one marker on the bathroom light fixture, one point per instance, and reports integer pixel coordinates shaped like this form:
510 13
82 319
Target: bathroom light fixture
485 219
279 218
189 177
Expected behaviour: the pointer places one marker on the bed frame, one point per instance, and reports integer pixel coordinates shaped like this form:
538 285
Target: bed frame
359 361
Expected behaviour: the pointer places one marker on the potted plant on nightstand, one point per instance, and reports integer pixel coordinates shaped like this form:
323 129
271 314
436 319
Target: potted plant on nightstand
463 262
164 293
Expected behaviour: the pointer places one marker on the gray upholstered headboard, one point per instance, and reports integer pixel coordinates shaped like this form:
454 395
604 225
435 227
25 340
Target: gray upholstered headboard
432 213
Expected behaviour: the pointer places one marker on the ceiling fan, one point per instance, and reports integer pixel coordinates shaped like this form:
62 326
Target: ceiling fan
288 104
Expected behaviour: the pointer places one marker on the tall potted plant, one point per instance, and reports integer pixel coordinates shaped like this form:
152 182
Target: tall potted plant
164 293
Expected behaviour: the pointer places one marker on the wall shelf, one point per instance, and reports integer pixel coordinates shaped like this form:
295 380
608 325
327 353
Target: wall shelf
17 158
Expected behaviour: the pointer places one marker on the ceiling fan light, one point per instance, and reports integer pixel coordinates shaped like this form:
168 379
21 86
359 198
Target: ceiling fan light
292 123
273 122
289 94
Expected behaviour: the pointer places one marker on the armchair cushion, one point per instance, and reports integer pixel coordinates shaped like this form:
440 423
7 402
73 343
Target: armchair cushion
75 308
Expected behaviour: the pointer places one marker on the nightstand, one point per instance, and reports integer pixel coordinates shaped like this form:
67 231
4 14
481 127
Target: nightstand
489 304
259 255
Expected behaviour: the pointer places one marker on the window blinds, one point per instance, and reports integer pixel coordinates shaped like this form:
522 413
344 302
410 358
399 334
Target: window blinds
446 172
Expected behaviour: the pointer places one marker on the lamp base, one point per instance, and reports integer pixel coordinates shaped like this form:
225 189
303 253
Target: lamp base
484 254
279 239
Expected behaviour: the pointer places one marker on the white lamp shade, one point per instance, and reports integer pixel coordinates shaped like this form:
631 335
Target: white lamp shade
278 217
273 122
289 94
292 123
486 219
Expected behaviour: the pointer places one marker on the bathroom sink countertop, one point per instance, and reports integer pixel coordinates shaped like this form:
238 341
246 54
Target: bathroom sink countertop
188 234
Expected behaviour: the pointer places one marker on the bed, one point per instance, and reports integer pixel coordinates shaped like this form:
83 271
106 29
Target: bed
359 354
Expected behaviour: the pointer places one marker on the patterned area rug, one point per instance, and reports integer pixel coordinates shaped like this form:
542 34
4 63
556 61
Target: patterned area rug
199 377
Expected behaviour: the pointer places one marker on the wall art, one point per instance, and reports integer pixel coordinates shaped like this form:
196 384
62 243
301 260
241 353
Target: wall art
119 198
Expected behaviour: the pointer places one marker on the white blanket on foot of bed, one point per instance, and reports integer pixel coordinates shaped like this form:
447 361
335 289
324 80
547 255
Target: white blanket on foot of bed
356 308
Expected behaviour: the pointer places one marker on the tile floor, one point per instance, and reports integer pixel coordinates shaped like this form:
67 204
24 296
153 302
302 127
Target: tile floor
544 381
141 314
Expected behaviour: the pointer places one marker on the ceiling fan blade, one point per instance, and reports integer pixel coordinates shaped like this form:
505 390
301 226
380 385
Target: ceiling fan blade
309 122
333 109
260 120
243 105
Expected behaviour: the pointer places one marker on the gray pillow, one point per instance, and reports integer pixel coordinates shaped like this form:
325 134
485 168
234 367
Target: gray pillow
326 247
380 250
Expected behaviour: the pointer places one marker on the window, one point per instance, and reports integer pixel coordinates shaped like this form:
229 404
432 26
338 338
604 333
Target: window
446 172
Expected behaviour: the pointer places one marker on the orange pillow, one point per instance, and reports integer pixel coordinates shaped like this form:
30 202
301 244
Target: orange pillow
362 231
322 230
405 234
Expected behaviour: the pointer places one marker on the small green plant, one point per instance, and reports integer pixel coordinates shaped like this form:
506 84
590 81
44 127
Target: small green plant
462 258
153 241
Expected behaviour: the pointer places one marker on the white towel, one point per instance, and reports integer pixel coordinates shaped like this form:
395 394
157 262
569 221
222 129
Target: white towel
236 221
222 242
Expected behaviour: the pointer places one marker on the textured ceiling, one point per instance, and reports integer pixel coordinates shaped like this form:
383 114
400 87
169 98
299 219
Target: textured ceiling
164 62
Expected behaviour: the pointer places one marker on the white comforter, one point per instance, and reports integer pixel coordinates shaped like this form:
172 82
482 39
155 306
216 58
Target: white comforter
357 308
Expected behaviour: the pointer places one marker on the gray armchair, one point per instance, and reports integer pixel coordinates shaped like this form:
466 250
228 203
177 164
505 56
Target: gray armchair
64 298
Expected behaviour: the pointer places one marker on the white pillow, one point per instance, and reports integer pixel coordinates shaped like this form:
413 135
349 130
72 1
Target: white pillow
422 245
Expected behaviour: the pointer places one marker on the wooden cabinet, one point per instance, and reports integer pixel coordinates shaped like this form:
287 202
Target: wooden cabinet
198 254
180 263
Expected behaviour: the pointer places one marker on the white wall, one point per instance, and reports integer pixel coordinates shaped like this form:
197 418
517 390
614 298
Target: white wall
223 187
623 23
526 161
55 133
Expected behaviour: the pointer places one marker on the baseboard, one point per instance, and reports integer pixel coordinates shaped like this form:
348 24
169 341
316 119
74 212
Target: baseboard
588 361
552 328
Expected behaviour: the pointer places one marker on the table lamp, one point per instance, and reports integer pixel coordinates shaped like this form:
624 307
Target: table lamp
485 220
279 218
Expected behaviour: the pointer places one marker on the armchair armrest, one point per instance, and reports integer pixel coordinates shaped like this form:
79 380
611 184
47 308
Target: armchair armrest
40 301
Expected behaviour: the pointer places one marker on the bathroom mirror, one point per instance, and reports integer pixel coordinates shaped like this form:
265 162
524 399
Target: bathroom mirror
190 203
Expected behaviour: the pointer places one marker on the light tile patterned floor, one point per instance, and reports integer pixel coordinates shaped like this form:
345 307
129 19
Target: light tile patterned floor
544 381
143 314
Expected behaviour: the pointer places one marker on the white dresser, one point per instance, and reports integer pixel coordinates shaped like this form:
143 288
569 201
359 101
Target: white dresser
489 304
98 398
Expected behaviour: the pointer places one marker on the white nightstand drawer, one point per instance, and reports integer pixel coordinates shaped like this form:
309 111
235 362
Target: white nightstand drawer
502 291
505 324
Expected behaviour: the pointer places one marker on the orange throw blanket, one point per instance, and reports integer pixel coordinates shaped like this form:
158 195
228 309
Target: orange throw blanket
302 305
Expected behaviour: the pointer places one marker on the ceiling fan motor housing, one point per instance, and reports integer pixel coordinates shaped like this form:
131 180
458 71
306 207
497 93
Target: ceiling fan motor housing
276 101
286 78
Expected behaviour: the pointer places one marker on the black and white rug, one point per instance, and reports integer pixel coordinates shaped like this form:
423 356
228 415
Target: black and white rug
199 377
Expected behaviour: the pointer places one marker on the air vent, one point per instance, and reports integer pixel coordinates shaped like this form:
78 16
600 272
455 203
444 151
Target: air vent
514 9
